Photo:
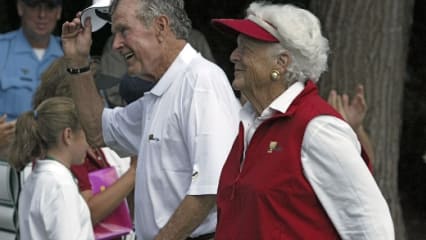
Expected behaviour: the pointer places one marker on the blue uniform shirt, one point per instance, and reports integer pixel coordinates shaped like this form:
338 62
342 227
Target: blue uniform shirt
20 71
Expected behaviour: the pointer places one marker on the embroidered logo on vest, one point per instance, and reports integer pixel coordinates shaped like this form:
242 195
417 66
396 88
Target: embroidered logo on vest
274 147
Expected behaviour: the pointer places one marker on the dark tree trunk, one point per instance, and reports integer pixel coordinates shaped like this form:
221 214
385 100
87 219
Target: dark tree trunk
369 45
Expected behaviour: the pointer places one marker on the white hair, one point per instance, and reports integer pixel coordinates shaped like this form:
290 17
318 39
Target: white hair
299 32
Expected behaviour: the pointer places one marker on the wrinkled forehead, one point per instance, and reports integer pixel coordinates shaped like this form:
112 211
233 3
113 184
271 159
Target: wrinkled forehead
118 4
119 9
119 20
124 16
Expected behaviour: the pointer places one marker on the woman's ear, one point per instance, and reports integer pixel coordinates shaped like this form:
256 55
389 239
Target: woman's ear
283 61
67 136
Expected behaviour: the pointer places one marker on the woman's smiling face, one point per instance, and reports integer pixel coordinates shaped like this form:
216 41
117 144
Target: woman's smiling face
253 63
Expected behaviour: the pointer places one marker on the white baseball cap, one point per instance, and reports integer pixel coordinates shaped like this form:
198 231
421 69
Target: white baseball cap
98 13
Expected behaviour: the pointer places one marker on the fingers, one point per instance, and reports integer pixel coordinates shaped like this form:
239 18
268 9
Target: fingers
71 29
358 102
87 29
11 125
9 132
345 101
339 102
335 100
7 129
88 25
78 15
76 41
359 90
332 98
7 125
3 118
340 106
91 153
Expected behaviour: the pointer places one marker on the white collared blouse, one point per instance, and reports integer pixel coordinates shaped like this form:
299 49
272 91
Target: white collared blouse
51 207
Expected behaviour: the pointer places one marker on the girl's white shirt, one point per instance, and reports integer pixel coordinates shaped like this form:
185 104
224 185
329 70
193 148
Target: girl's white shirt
51 207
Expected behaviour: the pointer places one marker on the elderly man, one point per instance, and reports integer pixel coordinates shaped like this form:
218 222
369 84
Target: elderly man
181 130
295 170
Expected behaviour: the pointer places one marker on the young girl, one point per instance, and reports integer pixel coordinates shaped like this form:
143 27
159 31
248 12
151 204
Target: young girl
55 82
50 206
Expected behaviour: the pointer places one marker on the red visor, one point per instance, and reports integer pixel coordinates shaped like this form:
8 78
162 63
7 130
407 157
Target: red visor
244 26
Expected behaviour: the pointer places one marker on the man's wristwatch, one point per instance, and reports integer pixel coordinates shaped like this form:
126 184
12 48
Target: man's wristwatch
78 70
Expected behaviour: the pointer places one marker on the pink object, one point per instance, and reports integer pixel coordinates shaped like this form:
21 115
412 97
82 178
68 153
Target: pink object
119 223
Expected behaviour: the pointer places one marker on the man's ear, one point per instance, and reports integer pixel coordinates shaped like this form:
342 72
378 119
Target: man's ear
58 14
19 8
161 25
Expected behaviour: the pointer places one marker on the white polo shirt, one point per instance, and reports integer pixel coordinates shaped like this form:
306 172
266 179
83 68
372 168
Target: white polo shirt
182 131
51 207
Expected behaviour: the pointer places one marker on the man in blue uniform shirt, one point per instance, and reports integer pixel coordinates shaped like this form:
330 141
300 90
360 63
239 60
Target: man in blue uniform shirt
25 53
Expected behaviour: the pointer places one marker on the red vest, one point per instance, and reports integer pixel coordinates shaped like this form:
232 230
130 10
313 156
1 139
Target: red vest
271 198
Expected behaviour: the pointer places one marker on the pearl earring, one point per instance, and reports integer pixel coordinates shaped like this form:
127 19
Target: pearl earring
275 75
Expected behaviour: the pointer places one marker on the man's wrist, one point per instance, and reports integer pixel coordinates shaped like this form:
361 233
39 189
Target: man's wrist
78 65
77 62
79 70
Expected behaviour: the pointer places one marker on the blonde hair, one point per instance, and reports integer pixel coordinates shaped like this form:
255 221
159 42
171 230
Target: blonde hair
38 131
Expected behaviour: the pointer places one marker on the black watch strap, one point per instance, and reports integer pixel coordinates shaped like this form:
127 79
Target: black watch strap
78 70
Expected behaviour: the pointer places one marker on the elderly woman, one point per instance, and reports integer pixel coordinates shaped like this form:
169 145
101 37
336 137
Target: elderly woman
295 170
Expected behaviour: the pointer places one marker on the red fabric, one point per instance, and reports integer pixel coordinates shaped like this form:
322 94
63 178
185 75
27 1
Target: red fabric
270 198
91 164
81 172
244 26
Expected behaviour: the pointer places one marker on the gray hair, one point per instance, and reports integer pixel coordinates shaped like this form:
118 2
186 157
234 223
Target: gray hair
180 23
299 34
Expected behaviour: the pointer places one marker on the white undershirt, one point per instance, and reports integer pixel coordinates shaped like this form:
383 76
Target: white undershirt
39 52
